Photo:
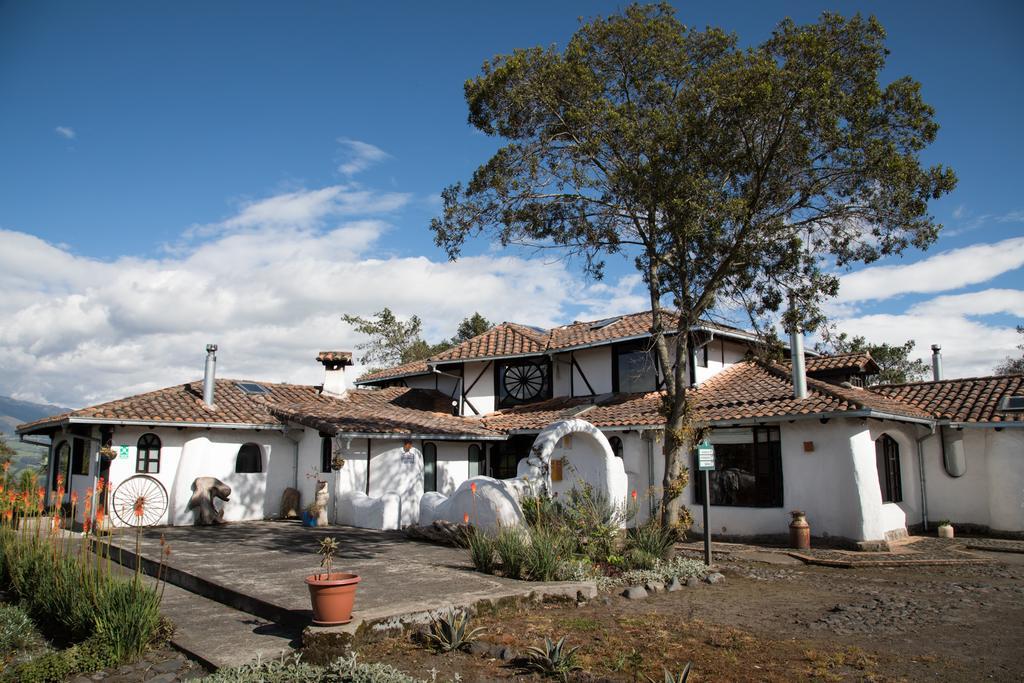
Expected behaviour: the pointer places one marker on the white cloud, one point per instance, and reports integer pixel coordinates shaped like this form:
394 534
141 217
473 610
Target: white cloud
939 273
359 156
269 288
974 304
65 132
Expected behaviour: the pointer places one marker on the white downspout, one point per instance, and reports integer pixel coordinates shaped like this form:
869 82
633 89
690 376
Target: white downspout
920 470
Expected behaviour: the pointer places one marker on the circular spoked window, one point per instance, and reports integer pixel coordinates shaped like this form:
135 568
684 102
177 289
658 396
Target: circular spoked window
524 382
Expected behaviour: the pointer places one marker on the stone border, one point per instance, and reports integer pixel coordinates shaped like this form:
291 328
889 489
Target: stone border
906 562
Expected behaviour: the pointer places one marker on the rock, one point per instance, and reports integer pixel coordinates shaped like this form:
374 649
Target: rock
605 600
654 587
163 678
692 582
166 666
480 649
715 577
507 654
635 593
674 585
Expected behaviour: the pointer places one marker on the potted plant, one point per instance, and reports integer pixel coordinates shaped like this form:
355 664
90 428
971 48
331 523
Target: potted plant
945 529
310 514
332 594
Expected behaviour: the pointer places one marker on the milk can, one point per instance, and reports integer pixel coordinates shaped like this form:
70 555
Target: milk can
799 531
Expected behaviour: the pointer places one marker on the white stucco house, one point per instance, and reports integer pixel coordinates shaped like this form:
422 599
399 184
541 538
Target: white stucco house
866 463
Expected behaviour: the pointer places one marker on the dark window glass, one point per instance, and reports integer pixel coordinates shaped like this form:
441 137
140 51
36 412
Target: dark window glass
429 467
326 453
522 381
887 459
746 474
61 457
505 456
250 459
616 444
147 458
700 356
634 369
79 463
476 460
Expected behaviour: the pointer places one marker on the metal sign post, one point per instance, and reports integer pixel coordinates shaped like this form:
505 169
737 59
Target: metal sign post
706 463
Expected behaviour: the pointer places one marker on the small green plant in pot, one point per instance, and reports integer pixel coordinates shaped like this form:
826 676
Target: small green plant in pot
331 593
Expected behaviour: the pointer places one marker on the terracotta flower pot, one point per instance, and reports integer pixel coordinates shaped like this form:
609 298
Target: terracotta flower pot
332 596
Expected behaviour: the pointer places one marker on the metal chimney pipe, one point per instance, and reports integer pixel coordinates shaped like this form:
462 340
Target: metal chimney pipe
936 362
796 351
210 374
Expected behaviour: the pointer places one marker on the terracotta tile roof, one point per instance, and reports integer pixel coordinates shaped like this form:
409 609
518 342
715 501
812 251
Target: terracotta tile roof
851 362
744 391
184 404
395 410
416 367
506 339
971 399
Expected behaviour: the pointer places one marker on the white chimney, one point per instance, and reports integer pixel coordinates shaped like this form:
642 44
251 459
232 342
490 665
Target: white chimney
936 362
796 351
334 363
210 374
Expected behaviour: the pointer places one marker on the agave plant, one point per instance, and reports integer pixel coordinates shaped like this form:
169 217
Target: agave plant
553 659
675 678
451 632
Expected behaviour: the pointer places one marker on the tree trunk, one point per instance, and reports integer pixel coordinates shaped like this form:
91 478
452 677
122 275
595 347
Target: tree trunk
677 439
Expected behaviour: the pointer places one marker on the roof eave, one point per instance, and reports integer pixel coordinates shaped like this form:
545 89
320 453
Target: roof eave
261 426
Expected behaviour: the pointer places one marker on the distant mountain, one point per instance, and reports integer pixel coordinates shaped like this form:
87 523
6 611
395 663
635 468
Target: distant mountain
14 412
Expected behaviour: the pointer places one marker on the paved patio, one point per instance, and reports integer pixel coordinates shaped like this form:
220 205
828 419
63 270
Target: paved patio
268 561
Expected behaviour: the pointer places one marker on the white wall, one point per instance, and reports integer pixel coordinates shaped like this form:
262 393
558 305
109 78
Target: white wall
482 394
394 471
596 364
721 354
1005 452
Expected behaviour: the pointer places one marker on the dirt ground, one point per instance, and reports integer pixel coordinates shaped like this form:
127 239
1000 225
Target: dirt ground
773 619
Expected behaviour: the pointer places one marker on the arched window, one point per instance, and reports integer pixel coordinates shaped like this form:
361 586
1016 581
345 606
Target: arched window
887 459
250 459
476 460
147 457
616 444
326 453
61 456
429 467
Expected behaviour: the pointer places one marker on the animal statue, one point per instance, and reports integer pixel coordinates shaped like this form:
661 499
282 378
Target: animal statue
204 491
322 498
290 503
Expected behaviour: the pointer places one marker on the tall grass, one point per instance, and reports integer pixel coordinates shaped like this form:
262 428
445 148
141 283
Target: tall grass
69 590
510 544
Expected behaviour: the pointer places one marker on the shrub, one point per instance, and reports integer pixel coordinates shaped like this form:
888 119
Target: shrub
651 538
595 521
451 632
293 670
545 554
541 510
481 550
553 659
17 632
510 544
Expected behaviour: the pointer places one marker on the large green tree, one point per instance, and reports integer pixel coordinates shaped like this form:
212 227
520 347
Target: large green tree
725 173
894 362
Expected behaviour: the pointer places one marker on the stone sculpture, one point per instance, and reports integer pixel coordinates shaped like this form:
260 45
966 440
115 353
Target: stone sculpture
290 503
204 491
322 498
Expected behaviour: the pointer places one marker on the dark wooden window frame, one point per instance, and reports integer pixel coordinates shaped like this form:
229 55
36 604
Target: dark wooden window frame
56 464
480 460
79 461
249 459
616 444
890 478
632 347
767 453
429 473
499 370
326 453
147 452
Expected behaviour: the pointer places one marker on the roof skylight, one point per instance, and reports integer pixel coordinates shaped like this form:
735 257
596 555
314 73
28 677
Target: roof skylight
1011 403
252 388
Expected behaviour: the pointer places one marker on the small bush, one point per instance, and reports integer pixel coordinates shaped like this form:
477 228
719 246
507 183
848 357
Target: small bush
17 632
510 544
452 632
293 670
595 521
545 554
541 510
652 540
481 550
553 659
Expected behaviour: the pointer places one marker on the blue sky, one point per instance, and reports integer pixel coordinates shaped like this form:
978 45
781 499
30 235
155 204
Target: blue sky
177 173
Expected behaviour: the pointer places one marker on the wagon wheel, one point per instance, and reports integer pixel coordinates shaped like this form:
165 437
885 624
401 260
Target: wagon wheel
140 501
524 382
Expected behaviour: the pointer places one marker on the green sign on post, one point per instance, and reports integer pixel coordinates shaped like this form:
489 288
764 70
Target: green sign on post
705 456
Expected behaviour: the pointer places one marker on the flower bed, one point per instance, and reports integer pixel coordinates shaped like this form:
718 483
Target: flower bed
103 618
